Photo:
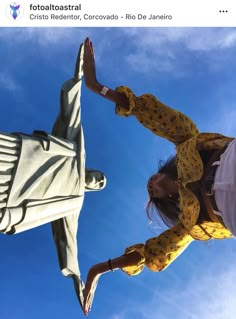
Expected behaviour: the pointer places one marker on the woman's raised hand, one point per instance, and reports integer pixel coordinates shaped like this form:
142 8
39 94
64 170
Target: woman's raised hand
91 82
90 287
89 67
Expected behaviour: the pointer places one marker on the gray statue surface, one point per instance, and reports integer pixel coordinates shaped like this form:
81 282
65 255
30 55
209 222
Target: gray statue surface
44 178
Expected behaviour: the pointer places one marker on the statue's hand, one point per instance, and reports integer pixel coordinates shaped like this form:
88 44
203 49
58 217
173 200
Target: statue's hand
79 64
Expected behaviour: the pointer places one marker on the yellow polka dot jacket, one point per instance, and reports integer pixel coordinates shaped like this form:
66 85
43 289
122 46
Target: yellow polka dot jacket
158 252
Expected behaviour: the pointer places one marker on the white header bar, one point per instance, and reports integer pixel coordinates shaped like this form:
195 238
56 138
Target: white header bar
122 13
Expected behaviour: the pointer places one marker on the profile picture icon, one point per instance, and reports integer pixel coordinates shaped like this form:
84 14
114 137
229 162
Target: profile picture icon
14 11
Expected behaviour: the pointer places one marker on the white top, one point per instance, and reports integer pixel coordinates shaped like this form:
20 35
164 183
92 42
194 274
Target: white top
225 187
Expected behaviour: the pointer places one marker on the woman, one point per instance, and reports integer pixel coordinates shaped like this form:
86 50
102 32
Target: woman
190 192
43 179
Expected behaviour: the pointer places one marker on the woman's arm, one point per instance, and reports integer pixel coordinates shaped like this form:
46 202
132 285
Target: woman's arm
91 80
162 120
157 254
97 270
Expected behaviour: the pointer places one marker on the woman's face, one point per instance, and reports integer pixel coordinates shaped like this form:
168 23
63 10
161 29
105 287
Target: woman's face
161 186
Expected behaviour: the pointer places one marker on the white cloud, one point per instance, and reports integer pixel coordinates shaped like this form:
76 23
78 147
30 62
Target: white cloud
211 296
223 121
229 40
150 49
118 316
42 36
195 39
7 82
176 49
208 39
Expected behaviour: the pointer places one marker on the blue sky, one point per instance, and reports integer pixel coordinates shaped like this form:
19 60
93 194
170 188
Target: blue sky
191 69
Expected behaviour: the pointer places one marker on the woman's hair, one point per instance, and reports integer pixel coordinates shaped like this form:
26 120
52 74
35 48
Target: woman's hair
168 208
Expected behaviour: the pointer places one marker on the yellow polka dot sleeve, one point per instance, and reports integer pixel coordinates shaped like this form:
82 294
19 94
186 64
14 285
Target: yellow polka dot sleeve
156 116
159 252
135 270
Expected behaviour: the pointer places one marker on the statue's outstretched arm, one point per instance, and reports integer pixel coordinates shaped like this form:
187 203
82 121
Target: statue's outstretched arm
68 126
